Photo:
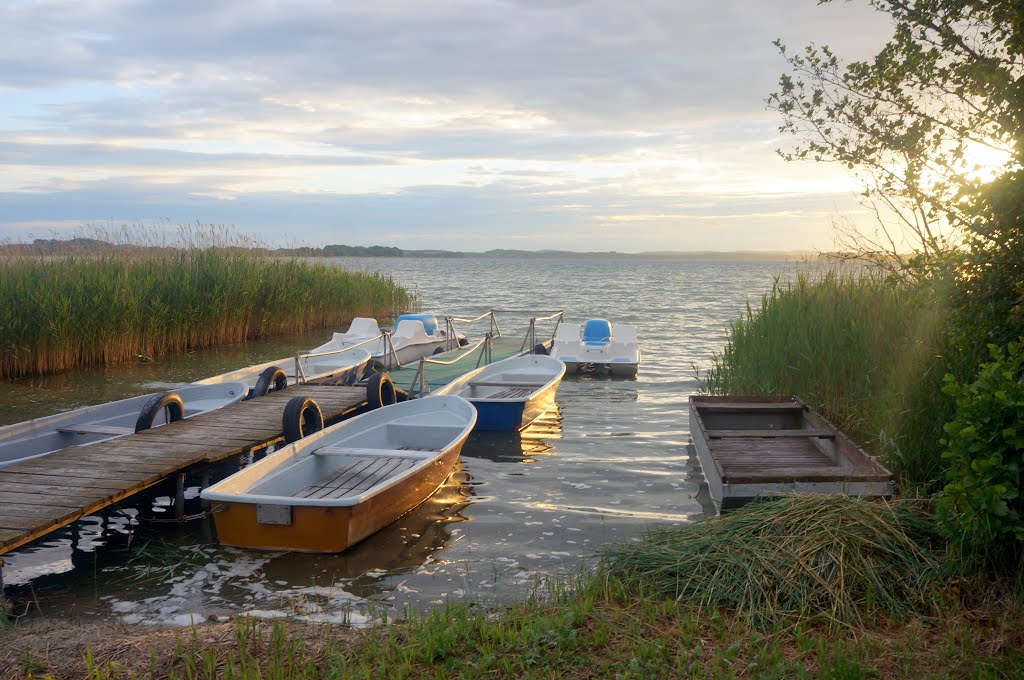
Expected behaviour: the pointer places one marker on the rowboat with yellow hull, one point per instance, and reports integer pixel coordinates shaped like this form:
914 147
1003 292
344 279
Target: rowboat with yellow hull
330 490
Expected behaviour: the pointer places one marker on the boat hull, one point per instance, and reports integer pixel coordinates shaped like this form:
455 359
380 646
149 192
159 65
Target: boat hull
331 529
599 368
512 416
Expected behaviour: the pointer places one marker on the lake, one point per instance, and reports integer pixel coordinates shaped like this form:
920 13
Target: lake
608 462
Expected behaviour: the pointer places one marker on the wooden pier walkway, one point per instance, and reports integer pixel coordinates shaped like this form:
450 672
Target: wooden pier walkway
44 494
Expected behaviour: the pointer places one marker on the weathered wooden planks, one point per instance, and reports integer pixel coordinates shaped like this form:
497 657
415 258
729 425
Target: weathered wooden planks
748 446
43 494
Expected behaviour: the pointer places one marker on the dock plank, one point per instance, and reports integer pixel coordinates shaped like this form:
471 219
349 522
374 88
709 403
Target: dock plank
50 499
36 510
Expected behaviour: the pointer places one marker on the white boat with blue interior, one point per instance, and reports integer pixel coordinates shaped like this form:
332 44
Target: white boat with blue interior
509 394
596 346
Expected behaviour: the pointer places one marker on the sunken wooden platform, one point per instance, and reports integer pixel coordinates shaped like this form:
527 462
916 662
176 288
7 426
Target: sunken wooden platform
749 446
44 494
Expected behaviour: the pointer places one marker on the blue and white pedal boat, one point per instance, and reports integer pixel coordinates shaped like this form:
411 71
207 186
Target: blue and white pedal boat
331 367
413 336
596 346
509 394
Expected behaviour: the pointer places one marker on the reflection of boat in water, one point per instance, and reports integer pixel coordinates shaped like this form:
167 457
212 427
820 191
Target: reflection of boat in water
398 548
526 446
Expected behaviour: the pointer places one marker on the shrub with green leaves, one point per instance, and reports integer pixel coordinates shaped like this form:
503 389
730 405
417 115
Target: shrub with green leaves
980 508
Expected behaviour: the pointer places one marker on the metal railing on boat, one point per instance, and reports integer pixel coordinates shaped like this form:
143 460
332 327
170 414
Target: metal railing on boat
419 386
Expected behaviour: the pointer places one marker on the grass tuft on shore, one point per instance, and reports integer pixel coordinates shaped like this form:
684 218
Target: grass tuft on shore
117 305
834 557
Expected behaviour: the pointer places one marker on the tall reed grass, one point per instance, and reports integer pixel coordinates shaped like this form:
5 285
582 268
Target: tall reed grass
114 305
863 349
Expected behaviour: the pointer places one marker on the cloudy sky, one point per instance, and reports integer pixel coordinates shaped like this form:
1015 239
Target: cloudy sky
625 125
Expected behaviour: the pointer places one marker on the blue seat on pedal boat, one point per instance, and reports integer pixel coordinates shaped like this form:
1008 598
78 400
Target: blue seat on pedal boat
597 332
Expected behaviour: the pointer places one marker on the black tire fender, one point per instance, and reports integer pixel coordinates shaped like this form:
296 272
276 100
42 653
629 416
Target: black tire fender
380 391
157 403
539 348
272 379
437 350
302 416
463 342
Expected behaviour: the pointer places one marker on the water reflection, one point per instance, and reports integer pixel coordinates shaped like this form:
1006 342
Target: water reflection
369 567
526 446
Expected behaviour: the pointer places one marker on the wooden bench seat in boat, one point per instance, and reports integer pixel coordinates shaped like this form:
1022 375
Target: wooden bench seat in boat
719 434
504 383
359 475
511 393
91 428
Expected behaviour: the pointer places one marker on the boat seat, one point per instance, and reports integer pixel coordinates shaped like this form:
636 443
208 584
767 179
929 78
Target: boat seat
401 452
358 476
91 428
597 332
362 327
511 393
429 322
503 383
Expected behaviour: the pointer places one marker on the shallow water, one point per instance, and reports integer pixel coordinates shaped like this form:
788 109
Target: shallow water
608 462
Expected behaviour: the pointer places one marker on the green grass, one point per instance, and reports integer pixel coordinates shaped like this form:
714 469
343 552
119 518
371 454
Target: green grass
113 306
864 350
570 636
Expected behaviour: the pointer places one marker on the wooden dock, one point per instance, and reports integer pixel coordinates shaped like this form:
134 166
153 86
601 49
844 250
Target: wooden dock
44 494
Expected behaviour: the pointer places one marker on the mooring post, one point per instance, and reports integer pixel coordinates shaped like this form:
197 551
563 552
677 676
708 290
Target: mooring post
204 482
179 498
4 605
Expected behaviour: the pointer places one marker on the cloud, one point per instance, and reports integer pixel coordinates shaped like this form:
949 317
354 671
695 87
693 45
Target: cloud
477 114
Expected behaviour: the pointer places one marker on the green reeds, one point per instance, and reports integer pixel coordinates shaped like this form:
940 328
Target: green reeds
115 305
864 350
802 555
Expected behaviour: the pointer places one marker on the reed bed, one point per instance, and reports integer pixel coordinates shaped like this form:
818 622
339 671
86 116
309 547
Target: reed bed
799 555
116 305
862 349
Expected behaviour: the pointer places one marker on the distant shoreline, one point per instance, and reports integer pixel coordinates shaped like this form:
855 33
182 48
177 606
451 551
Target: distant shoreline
89 245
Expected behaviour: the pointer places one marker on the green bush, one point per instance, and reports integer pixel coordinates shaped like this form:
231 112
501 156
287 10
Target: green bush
979 509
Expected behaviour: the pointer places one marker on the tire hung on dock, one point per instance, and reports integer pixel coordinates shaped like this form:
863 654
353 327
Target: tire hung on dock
272 379
302 416
380 391
157 403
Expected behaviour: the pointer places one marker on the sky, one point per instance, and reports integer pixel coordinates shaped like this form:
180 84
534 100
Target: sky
628 125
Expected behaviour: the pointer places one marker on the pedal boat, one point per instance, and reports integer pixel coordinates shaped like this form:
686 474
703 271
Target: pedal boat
333 488
414 336
596 347
330 367
509 394
34 438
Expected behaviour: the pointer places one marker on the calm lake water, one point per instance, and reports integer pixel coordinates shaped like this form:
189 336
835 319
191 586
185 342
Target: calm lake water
609 462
